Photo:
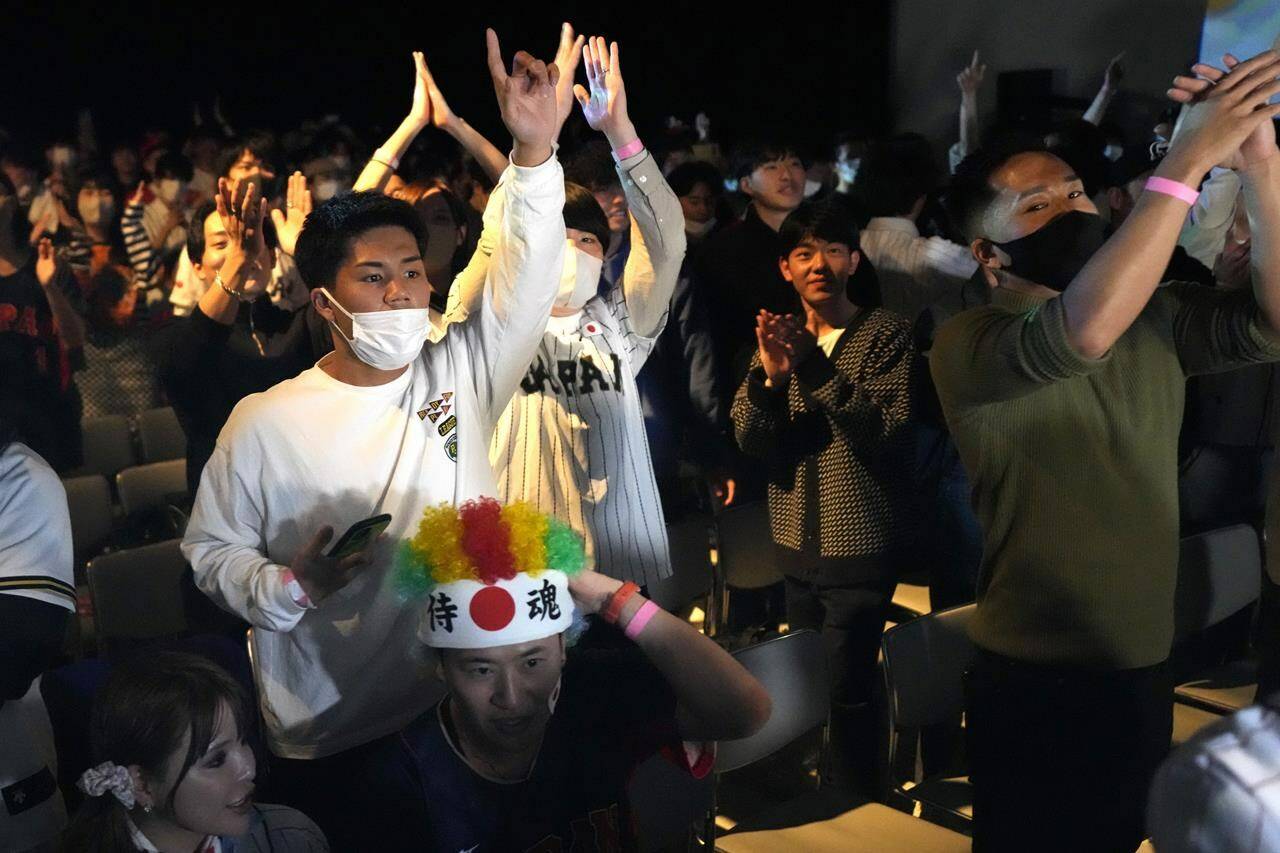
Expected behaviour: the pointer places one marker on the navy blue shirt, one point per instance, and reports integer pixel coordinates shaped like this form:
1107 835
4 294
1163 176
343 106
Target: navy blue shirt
615 711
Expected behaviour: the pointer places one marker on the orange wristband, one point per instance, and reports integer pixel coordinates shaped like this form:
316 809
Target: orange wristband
617 601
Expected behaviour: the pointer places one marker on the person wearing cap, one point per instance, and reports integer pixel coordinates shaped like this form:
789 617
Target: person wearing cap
533 744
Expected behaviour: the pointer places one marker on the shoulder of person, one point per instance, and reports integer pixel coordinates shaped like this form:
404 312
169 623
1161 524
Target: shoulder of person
281 829
26 476
960 333
270 412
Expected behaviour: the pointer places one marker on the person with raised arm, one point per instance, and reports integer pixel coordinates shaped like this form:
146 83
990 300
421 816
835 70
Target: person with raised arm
385 424
1065 398
535 741
572 440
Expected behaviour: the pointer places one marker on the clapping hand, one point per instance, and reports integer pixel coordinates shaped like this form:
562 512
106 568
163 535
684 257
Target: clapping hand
241 212
604 100
46 262
1226 119
527 101
784 342
289 221
970 77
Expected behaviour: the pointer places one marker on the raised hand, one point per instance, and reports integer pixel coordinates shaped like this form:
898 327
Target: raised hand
1226 119
527 101
46 262
970 77
604 103
442 116
568 54
242 216
297 206
592 590
420 112
321 576
781 345
1114 75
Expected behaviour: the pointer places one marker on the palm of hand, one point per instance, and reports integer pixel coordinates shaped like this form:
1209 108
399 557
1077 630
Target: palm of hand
596 109
46 266
528 109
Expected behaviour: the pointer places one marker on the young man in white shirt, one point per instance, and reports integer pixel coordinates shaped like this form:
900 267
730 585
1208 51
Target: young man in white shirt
353 438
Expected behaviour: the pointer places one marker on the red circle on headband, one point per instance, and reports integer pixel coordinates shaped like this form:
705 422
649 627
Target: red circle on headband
492 608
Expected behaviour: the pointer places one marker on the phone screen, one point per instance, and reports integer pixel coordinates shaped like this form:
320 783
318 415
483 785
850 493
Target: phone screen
360 536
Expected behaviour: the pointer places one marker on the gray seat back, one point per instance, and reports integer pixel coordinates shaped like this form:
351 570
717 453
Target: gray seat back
793 669
745 546
161 435
147 486
924 664
1219 574
690 540
137 593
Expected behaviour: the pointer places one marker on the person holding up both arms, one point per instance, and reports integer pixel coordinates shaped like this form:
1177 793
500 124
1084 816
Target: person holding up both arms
572 441
1065 397
385 424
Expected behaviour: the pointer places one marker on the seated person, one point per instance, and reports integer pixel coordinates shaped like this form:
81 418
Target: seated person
175 769
531 747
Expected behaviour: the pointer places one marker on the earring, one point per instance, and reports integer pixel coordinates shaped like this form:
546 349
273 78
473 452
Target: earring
147 808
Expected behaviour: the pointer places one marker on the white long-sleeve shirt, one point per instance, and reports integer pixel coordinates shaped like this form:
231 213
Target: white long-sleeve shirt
313 451
916 272
572 441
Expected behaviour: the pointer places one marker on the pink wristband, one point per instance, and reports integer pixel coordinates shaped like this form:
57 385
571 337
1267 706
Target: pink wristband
641 619
631 149
295 590
1164 186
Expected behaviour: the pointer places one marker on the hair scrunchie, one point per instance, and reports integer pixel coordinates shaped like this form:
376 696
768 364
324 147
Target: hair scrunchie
108 776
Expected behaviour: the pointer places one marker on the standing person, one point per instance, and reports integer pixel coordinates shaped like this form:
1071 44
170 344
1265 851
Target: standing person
351 438
119 374
826 405
37 597
41 341
572 441
534 744
174 770
738 266
915 272
1064 398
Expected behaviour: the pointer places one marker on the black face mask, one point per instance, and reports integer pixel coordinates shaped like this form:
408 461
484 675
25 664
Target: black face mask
1053 255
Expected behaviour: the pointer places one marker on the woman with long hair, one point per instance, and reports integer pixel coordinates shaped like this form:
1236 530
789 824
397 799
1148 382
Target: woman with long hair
173 769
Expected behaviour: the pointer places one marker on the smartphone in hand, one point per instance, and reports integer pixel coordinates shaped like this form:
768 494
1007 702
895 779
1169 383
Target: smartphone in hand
360 536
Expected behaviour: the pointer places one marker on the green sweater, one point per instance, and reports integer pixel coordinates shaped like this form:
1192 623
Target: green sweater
1073 464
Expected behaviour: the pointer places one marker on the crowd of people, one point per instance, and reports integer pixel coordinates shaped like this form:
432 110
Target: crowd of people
503 368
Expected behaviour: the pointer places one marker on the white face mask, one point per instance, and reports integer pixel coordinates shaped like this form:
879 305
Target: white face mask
699 229
168 189
811 188
579 278
1113 152
386 340
325 189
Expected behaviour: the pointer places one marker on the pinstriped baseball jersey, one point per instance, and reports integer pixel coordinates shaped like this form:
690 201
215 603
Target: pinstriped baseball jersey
572 441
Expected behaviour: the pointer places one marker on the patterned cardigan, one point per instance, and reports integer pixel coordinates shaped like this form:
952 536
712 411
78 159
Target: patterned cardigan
837 442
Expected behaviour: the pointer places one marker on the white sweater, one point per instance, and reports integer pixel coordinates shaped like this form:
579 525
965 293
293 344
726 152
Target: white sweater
313 451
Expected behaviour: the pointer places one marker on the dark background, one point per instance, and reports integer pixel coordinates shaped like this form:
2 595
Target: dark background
810 70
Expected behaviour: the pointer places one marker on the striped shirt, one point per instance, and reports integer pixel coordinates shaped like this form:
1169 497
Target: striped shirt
572 442
916 272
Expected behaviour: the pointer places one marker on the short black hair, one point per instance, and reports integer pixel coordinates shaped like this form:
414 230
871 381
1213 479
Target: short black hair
1082 145
827 220
970 191
325 241
171 164
260 143
195 231
583 212
753 154
686 176
592 167
895 173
